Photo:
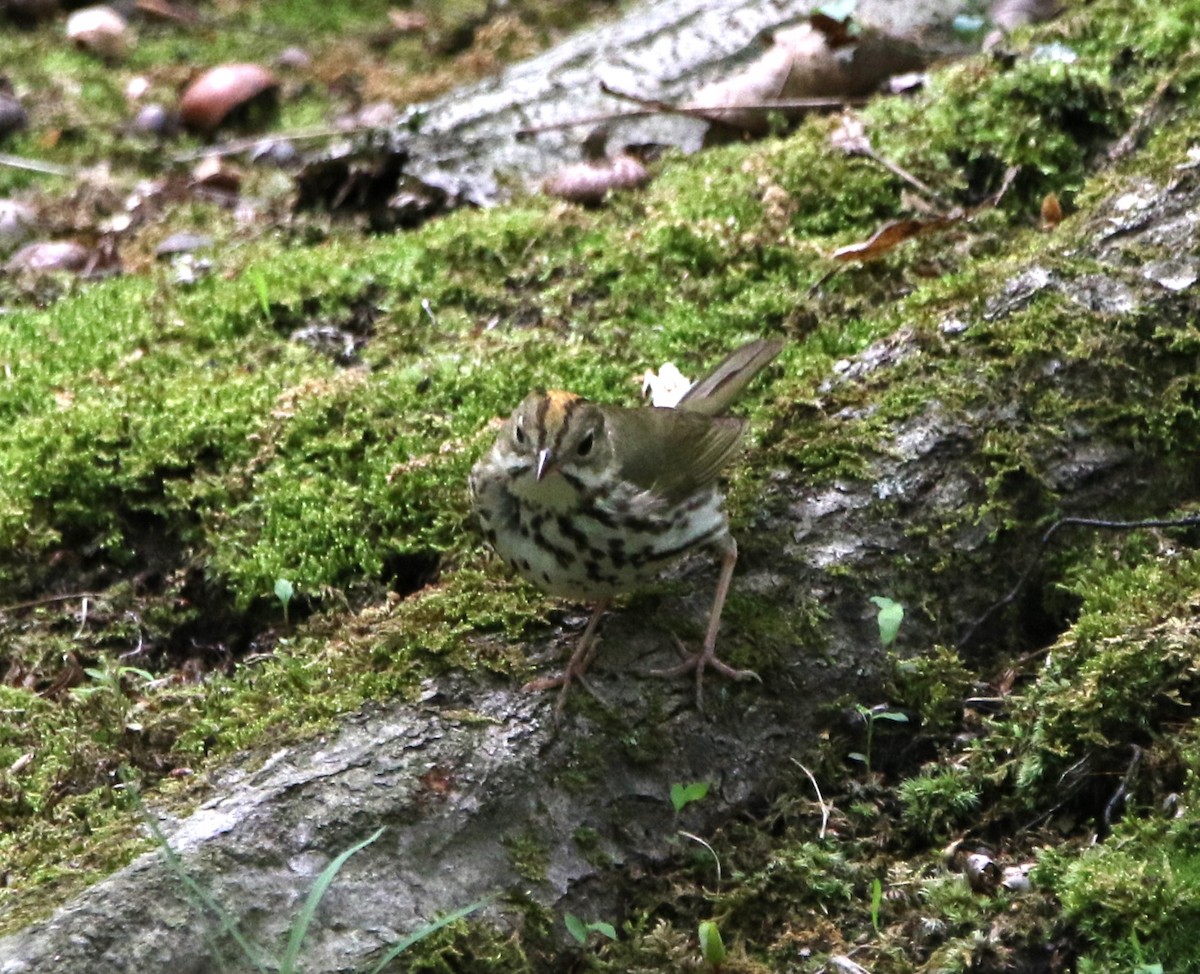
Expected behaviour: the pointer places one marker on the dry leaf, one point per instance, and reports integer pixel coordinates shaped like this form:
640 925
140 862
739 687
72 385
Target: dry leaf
887 237
216 175
1052 213
983 873
49 256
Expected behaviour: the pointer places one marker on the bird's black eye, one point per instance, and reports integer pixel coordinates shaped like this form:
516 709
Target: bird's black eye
585 445
520 434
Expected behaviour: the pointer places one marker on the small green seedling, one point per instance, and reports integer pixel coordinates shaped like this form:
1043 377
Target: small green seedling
684 795
580 930
889 617
259 280
876 902
712 947
872 714
108 679
284 590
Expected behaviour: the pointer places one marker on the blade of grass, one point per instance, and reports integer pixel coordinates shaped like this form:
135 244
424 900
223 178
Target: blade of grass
200 895
428 929
315 895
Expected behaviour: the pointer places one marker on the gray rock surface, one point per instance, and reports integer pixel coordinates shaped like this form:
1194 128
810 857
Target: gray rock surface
473 781
471 775
467 144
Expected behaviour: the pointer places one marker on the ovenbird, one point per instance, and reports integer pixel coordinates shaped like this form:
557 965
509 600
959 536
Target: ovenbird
587 501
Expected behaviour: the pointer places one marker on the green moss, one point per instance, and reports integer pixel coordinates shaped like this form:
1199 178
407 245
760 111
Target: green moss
936 802
1136 897
588 841
133 404
529 855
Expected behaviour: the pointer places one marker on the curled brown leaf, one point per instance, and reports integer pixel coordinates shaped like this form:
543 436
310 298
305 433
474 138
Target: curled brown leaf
887 237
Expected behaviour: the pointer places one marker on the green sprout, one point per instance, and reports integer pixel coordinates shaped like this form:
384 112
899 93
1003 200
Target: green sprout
712 947
580 930
876 902
284 590
872 714
890 615
684 795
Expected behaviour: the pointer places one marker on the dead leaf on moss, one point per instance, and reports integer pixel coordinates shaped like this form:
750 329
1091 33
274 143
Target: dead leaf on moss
888 236
850 135
214 174
1052 213
982 872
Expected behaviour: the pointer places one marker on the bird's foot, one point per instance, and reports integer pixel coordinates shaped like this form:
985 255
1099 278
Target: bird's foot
563 680
706 659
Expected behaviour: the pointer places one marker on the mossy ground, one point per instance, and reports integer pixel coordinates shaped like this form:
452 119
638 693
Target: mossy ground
167 453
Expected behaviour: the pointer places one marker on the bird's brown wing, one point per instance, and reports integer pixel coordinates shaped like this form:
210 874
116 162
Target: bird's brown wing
672 452
714 393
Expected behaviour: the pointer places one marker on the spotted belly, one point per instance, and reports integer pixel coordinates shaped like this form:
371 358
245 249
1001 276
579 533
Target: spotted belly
602 545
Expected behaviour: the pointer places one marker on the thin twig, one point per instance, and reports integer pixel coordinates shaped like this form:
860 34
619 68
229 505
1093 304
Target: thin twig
1090 522
696 838
709 113
83 618
36 165
48 600
1110 809
657 105
896 170
820 798
1145 116
252 142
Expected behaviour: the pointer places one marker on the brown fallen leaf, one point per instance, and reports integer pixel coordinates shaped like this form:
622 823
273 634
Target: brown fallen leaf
1052 213
216 175
71 675
889 236
982 872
